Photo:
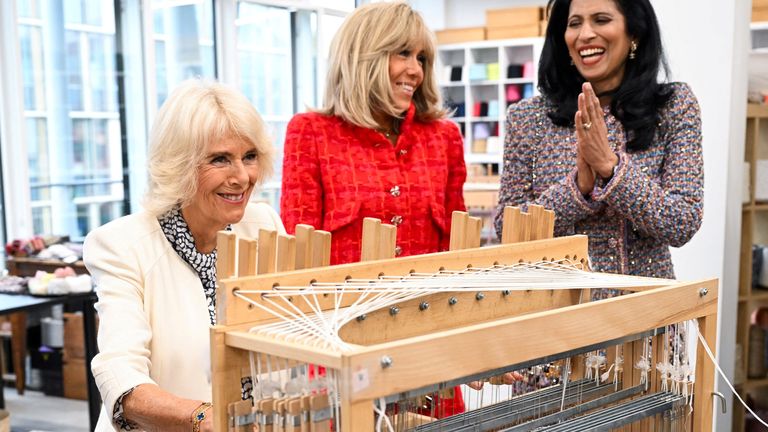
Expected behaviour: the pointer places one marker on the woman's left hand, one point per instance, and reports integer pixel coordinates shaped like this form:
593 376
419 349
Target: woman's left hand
592 134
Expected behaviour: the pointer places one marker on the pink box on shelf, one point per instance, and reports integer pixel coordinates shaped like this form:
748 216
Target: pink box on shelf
528 69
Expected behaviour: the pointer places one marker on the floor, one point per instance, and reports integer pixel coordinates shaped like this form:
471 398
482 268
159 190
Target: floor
36 412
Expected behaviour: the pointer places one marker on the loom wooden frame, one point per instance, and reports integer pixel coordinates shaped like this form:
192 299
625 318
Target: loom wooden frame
484 346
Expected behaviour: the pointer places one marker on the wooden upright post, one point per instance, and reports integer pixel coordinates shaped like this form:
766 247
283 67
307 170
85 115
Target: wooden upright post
226 254
225 372
388 241
511 225
705 374
458 230
371 243
304 246
286 252
267 251
247 257
474 232
321 249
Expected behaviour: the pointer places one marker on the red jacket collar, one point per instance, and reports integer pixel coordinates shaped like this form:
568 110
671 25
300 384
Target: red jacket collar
409 116
374 136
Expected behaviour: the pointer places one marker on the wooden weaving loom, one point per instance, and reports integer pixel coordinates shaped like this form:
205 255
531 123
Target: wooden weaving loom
445 338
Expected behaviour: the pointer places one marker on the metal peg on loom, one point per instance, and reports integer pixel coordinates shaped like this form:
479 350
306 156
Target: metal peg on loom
386 361
519 226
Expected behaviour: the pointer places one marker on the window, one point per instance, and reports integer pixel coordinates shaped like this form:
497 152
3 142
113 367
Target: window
264 58
183 43
281 62
85 148
70 107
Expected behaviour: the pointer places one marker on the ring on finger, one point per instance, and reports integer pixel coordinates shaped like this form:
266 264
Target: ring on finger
586 125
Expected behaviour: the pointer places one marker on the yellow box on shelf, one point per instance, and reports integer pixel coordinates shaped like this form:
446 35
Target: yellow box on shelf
492 71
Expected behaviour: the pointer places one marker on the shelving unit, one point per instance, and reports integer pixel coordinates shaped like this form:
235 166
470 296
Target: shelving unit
484 131
754 230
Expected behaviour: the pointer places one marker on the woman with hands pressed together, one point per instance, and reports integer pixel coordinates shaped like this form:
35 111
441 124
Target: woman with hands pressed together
615 153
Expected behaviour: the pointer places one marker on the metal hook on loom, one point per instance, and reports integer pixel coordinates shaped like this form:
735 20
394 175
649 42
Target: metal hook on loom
723 403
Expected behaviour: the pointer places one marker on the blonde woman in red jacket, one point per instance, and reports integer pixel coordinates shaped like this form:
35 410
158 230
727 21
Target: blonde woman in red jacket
381 145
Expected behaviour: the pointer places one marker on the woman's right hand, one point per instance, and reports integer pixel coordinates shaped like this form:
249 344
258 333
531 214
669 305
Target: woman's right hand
585 175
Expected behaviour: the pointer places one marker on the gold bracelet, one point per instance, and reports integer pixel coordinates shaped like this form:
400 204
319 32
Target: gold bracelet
198 415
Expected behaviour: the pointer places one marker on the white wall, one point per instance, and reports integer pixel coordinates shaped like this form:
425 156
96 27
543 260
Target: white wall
713 62
706 43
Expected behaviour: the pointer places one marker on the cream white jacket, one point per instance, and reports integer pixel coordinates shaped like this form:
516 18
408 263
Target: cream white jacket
153 314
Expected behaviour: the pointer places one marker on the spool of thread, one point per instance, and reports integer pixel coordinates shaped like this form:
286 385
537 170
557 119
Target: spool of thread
758 258
756 359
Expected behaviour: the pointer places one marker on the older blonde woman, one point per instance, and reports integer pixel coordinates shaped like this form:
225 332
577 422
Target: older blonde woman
380 146
155 270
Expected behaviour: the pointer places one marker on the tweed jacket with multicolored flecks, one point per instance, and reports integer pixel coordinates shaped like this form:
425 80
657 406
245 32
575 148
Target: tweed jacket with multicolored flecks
653 201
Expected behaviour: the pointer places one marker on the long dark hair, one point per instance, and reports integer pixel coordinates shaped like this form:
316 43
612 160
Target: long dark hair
637 100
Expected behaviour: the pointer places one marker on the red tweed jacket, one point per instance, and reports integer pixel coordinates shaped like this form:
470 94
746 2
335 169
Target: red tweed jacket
335 174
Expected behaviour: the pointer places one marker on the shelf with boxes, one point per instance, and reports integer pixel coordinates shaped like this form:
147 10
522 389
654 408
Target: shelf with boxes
479 80
482 71
752 319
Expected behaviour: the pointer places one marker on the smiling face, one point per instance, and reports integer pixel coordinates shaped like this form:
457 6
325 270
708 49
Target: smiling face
598 43
225 180
406 73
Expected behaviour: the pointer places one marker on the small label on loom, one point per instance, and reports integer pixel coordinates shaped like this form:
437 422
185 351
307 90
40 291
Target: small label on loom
360 380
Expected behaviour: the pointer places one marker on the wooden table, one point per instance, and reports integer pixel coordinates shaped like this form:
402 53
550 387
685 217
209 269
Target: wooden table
13 303
29 266
17 307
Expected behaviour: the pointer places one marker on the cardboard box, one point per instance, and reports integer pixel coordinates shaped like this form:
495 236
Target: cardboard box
759 4
458 35
759 14
74 378
479 146
74 337
513 17
512 32
74 341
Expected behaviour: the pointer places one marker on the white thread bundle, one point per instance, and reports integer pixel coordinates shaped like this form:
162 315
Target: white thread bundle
321 328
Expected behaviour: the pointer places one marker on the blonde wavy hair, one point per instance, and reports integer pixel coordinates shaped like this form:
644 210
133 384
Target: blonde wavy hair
358 82
197 113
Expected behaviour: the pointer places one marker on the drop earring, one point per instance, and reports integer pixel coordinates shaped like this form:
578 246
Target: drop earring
632 50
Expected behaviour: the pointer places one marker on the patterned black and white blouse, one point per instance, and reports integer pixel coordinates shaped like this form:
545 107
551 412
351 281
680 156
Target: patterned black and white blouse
178 234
